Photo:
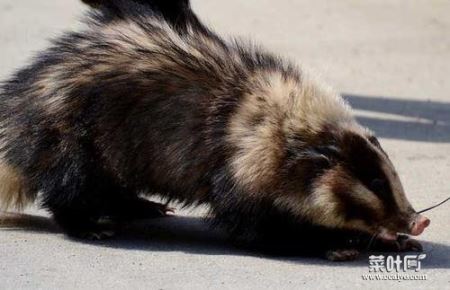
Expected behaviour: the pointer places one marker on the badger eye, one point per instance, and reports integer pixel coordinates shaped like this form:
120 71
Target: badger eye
374 141
330 151
378 185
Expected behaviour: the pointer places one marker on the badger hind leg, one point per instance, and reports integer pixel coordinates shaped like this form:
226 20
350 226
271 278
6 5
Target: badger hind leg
79 224
78 216
93 210
76 192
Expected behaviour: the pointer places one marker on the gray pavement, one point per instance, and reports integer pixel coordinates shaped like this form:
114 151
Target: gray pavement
390 58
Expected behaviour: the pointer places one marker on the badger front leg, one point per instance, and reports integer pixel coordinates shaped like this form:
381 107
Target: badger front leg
348 248
356 244
403 243
342 255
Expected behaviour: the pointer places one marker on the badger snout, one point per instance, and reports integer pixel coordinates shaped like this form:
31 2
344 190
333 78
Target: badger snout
419 224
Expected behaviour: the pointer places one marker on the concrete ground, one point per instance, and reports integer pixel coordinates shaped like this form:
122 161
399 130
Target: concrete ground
390 58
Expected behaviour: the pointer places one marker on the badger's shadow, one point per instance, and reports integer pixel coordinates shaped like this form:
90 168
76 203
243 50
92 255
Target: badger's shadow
193 235
395 118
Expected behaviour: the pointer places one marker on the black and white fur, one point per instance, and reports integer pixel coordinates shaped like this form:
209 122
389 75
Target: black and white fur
147 100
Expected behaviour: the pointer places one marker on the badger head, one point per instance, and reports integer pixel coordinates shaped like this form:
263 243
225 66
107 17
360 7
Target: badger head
342 178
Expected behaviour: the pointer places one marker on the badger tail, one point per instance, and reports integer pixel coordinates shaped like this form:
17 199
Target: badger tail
155 4
93 3
176 12
13 194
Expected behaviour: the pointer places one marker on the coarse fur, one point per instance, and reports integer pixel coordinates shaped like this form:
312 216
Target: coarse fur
147 100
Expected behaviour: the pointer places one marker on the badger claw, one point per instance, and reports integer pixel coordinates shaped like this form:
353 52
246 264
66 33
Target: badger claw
97 235
168 210
342 255
161 210
143 209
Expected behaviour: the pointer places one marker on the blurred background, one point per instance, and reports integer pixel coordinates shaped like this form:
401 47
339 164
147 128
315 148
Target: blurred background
389 58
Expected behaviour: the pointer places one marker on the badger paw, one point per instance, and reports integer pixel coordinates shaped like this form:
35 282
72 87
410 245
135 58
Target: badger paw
403 243
406 244
342 255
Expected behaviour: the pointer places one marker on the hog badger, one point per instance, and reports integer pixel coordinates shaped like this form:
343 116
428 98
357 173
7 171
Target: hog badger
145 100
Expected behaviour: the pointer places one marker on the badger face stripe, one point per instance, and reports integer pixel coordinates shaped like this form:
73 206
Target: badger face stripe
358 203
367 164
397 188
392 177
374 141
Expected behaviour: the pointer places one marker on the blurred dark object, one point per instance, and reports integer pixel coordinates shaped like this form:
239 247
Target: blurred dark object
176 12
